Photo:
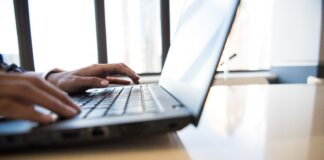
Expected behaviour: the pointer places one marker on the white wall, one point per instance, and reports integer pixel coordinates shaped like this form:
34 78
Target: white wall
296 28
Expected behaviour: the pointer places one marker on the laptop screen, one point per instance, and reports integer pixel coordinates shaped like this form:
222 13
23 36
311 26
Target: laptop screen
196 50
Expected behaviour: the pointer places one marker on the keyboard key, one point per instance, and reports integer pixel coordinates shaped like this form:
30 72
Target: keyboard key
85 99
116 102
115 112
96 99
96 113
134 104
151 106
122 108
113 95
121 101
155 110
134 110
125 92
79 103
149 103
104 105
82 114
89 106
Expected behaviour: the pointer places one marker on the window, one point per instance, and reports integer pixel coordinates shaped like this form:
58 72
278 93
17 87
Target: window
8 32
176 8
134 34
63 33
249 38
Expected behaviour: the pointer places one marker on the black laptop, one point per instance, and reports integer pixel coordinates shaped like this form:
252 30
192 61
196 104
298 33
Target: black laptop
176 101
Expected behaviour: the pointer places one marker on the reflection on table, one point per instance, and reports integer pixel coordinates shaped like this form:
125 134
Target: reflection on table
259 122
254 122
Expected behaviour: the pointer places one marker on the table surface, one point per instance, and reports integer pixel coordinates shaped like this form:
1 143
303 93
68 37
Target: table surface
257 122
239 122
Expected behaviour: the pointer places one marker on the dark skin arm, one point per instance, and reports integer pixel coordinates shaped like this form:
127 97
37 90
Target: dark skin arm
94 76
20 92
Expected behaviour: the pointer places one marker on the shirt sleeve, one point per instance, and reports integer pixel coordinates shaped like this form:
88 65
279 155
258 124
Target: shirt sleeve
2 67
10 67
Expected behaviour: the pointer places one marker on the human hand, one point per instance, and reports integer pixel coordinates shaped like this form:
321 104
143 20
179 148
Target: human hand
20 92
94 76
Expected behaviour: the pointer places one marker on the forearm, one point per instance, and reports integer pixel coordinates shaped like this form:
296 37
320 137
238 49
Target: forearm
4 67
39 75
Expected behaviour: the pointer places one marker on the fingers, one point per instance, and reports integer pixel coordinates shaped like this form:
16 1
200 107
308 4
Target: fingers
14 110
114 80
25 90
104 69
37 92
134 77
81 83
125 70
52 90
90 82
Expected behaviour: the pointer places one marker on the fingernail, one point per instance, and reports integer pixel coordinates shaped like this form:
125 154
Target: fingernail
72 111
64 93
78 109
76 106
54 117
104 83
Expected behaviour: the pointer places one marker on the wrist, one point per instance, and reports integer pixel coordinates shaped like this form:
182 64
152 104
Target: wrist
46 75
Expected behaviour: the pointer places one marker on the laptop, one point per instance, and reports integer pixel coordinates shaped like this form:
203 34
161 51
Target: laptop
175 102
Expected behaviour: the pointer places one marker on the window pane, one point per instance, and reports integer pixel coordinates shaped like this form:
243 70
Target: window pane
8 32
250 36
63 33
176 8
134 33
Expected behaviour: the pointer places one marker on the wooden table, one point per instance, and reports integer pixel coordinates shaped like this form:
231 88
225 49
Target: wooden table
252 122
279 122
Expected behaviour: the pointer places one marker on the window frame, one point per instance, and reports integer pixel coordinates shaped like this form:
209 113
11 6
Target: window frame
24 34
25 40
21 8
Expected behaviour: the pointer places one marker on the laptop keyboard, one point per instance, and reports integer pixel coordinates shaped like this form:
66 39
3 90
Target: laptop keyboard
116 102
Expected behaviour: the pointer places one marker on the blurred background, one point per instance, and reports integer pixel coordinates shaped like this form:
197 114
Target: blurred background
266 33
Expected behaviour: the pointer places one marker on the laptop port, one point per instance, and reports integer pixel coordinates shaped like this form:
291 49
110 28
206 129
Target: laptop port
70 135
99 132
